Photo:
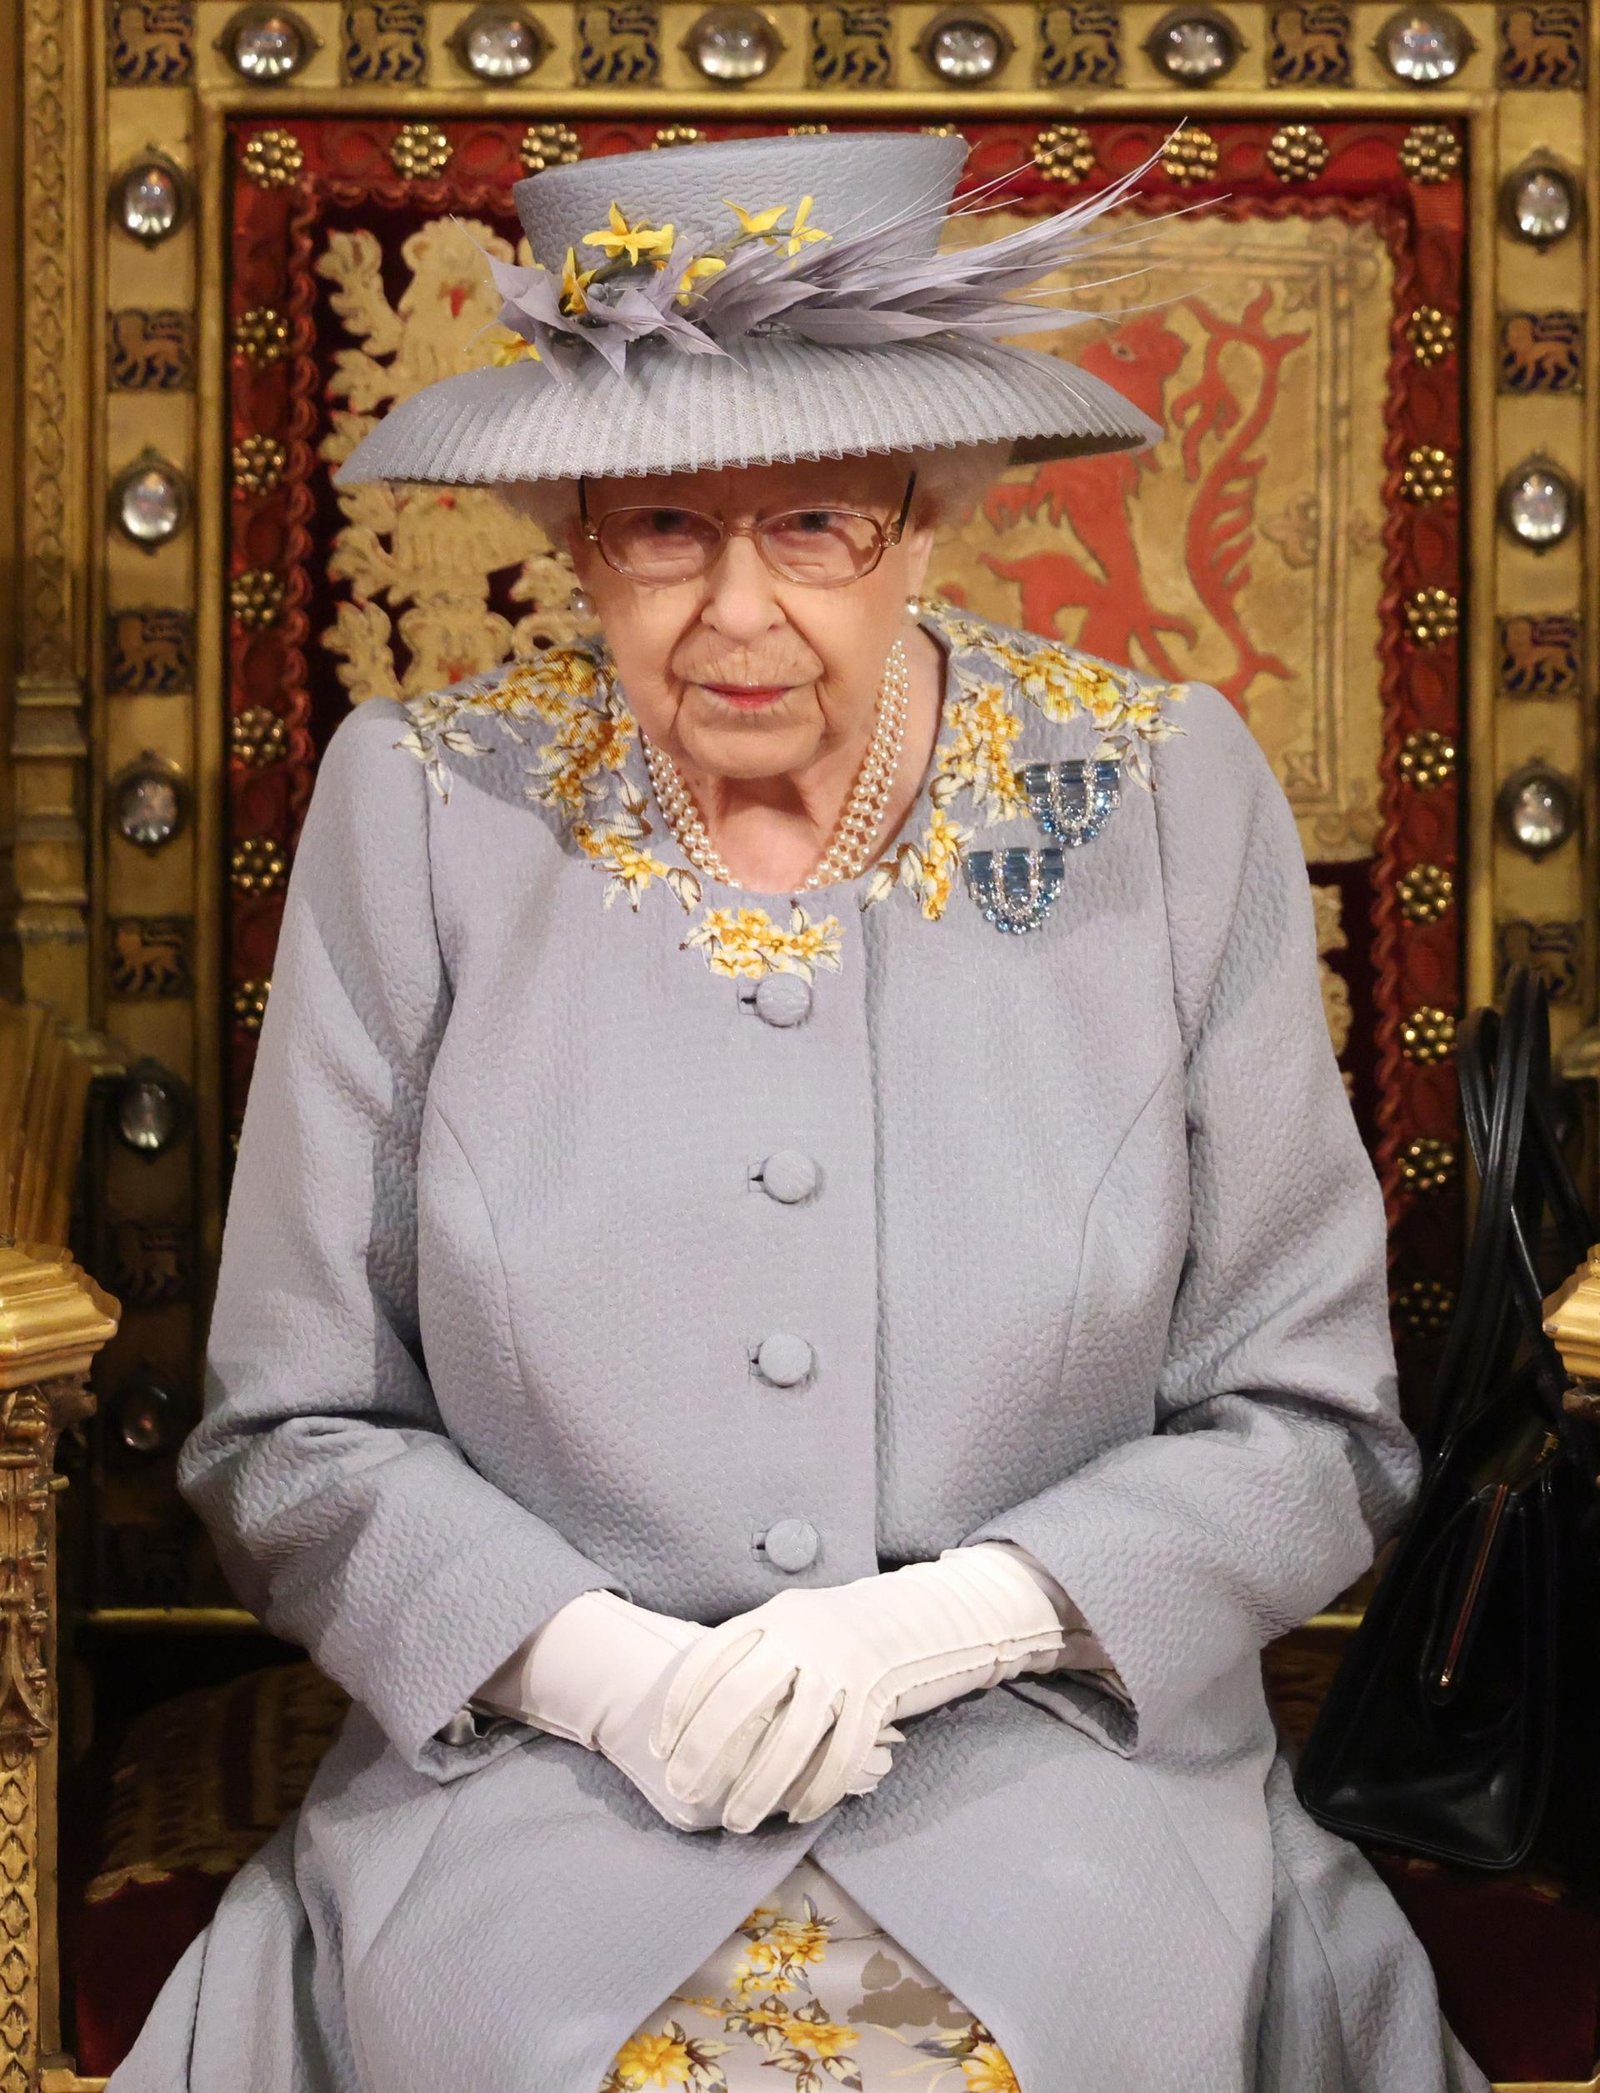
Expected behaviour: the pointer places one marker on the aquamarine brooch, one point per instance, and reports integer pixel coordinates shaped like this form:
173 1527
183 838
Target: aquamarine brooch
1015 888
1071 801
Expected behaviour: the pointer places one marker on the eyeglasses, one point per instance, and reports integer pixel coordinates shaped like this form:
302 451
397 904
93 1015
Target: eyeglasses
823 548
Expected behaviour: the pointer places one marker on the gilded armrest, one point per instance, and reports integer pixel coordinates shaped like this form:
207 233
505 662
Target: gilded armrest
53 1320
1572 1322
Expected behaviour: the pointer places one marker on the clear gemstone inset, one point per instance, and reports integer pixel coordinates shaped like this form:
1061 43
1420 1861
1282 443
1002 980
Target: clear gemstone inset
500 43
733 45
150 1109
1423 46
1538 809
1541 205
148 202
1193 48
148 807
265 45
964 49
1537 505
151 502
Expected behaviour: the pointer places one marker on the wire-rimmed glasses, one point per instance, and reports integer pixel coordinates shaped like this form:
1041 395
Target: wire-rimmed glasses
822 547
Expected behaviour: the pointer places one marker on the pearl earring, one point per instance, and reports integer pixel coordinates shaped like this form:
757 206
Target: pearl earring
914 606
580 603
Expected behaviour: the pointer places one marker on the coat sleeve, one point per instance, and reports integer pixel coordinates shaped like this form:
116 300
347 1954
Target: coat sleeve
342 1511
1278 1460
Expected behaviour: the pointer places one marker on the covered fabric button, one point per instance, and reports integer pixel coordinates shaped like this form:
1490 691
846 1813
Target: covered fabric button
783 999
788 1175
791 1545
784 1360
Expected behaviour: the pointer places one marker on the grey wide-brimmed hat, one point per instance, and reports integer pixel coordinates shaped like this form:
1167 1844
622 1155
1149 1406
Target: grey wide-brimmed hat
753 301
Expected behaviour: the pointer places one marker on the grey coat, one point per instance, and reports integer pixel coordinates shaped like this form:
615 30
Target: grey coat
1095 1263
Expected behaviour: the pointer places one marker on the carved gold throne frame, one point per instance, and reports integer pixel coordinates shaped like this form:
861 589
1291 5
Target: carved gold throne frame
150 670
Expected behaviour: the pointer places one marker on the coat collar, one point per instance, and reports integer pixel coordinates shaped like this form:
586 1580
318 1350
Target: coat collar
1007 696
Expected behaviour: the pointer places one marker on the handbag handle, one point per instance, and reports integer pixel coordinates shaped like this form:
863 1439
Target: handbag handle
1503 1067
1504 1071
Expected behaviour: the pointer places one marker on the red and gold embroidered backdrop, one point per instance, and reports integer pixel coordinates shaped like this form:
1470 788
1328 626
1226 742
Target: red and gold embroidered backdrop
1295 539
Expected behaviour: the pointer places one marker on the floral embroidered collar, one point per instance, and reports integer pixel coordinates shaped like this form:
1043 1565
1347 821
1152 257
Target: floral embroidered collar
590 773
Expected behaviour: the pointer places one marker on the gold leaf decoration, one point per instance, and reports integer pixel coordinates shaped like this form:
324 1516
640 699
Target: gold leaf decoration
1422 1308
258 865
250 1003
258 737
1432 617
261 334
256 464
1191 155
1428 1035
256 598
1427 759
549 145
272 159
1298 152
1431 334
1064 153
1429 474
420 151
1427 1164
1430 153
1426 893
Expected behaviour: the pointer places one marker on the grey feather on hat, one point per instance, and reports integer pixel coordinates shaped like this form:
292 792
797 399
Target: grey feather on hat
753 301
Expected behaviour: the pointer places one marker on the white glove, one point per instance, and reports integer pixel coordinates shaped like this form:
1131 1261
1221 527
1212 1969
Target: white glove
825 1670
596 1674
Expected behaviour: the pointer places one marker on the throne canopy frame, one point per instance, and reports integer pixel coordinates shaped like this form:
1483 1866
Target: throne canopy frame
237 354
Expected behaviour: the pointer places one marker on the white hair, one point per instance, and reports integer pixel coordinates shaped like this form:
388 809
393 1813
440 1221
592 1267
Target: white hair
951 481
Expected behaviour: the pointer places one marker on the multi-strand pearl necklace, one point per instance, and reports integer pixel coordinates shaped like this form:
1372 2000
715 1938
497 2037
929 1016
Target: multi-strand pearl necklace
856 831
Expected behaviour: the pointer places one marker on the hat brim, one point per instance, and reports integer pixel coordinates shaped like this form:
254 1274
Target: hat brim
775 399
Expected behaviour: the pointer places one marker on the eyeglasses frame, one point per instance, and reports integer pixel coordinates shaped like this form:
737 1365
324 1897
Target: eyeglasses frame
888 535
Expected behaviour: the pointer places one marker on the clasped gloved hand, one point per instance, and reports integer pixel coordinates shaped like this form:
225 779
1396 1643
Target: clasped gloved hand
823 1674
597 1672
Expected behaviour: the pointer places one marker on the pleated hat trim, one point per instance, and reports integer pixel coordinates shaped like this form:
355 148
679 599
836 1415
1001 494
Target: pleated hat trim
643 403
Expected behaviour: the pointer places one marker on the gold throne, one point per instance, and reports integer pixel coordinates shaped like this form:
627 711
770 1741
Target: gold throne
1371 523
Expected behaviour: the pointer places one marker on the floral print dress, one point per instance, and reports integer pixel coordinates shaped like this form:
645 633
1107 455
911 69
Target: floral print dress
809 1987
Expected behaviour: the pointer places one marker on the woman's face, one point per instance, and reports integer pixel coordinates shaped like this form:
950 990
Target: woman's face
739 673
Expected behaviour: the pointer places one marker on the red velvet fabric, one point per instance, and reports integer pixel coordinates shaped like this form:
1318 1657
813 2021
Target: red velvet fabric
1518 1964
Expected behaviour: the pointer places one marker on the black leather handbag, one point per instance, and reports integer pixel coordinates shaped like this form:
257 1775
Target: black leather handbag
1464 1720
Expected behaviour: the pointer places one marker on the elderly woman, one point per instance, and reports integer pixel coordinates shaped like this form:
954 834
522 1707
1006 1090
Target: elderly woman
802 1296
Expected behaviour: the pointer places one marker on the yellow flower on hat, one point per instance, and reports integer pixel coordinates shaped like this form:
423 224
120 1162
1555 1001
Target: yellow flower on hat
800 233
756 224
702 266
574 283
637 242
512 349
768 225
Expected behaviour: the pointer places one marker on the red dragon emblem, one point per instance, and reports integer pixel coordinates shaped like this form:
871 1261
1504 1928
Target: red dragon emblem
1215 433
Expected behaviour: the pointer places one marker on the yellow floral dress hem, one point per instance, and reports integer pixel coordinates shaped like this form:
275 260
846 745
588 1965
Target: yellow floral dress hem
808 1987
